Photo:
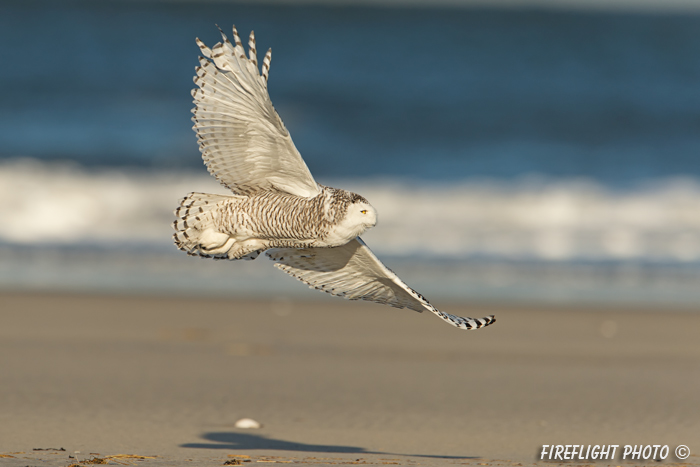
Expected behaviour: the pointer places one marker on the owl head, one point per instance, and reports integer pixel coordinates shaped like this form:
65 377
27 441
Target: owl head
360 212
359 216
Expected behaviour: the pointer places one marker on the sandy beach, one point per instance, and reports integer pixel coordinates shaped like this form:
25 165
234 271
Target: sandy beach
335 382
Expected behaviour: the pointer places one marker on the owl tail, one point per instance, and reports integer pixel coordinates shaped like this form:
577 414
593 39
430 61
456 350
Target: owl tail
195 232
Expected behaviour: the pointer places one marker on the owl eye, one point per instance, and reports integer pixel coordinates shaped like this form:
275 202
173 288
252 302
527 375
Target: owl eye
364 211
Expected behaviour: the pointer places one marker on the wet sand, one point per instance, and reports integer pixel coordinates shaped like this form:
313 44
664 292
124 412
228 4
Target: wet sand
336 382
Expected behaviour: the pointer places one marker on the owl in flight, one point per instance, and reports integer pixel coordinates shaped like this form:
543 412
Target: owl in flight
311 231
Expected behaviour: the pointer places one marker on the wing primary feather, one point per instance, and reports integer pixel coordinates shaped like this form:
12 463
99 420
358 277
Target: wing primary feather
239 50
252 52
206 51
266 64
236 37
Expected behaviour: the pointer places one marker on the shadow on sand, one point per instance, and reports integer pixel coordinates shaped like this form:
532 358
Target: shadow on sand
232 440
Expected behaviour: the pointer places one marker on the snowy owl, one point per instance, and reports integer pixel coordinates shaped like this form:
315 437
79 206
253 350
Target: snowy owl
311 231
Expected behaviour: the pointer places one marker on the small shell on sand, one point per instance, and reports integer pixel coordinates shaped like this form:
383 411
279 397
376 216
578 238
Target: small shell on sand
247 423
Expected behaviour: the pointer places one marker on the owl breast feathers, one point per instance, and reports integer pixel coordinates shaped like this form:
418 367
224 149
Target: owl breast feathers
311 231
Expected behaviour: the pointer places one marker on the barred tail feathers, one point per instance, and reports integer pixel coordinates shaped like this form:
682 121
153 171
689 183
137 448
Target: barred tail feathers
195 231
197 234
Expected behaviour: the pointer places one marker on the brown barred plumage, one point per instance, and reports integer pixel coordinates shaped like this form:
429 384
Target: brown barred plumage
310 230
231 227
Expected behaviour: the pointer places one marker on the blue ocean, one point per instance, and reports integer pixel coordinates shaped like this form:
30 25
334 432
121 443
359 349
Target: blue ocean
513 154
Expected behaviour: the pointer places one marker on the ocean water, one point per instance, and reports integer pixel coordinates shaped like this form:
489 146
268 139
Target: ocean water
512 154
531 239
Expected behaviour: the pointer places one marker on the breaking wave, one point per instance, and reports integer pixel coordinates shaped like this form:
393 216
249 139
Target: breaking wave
528 219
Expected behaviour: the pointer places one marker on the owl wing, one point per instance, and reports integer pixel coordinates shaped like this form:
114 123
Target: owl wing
242 139
352 271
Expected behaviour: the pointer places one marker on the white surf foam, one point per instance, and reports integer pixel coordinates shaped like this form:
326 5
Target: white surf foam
551 220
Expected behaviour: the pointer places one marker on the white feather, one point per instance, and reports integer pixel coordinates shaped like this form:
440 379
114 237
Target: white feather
311 229
352 271
241 137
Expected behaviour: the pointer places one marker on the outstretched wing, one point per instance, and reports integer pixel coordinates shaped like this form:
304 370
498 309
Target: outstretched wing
352 271
242 139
